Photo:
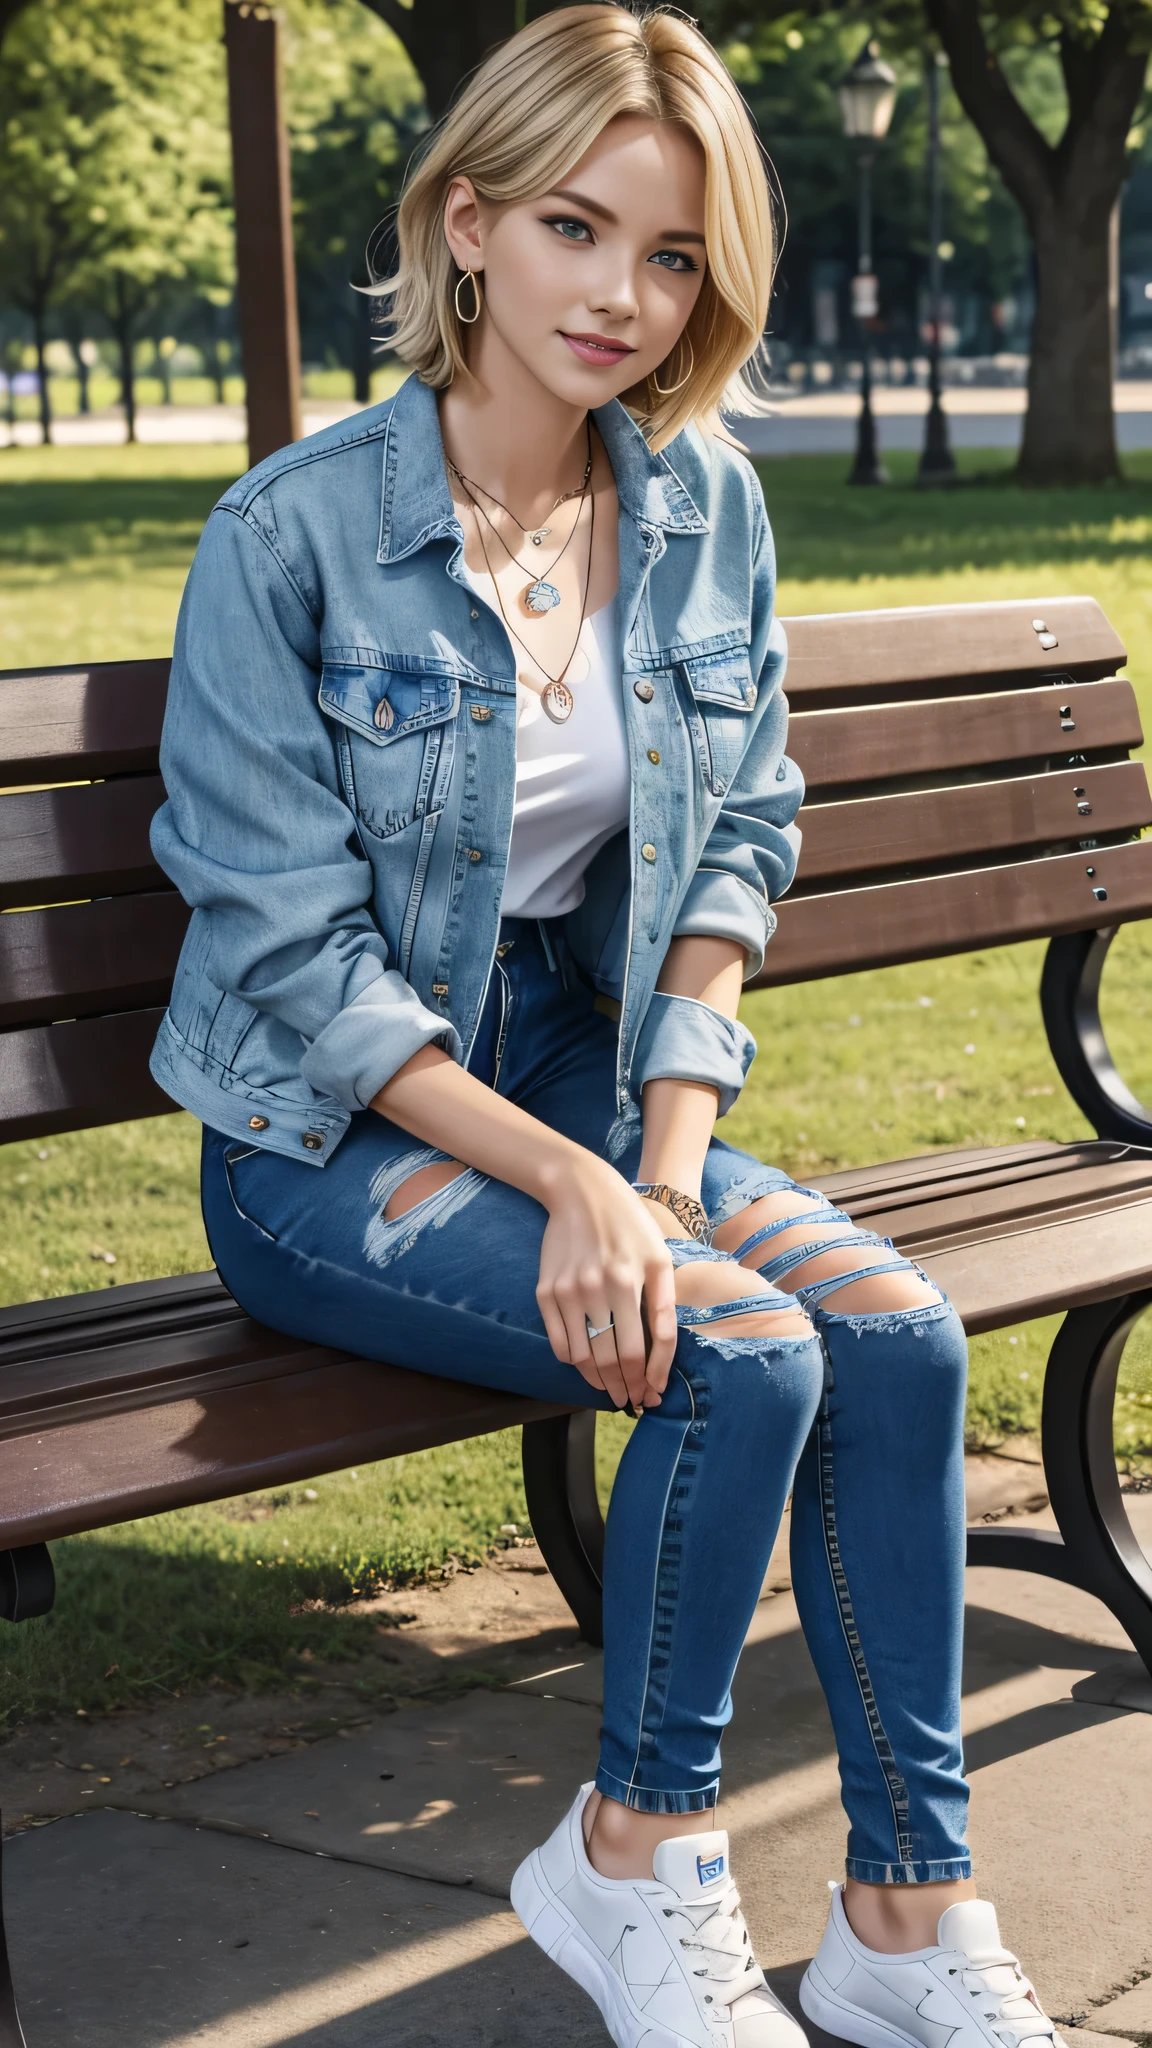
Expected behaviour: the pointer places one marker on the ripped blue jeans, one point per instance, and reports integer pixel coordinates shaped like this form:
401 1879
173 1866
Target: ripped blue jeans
861 1421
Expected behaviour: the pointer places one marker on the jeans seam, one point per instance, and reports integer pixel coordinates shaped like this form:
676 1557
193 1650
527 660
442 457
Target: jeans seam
232 1157
656 1579
882 1748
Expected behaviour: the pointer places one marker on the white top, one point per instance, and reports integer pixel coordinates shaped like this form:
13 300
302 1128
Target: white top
573 781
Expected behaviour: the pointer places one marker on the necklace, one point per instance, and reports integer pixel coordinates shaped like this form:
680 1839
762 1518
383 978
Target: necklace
557 698
540 595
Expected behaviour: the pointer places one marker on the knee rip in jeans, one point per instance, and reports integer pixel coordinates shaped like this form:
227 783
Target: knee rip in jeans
711 1284
421 1191
767 1235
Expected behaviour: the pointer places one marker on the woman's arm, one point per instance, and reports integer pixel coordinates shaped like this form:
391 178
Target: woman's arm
679 1115
603 1254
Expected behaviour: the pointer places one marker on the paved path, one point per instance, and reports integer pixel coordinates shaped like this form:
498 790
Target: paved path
815 423
353 1889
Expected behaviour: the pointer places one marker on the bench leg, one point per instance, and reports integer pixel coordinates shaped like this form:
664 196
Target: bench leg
559 1459
11 2032
27 1582
1096 1547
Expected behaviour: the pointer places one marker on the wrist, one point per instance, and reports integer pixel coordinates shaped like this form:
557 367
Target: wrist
559 1169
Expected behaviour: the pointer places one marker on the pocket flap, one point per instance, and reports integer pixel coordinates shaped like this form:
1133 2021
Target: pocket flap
724 678
386 704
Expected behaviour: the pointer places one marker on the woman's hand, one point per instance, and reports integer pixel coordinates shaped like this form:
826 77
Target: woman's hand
603 1257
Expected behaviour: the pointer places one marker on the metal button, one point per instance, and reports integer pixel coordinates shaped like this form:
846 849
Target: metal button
473 614
474 853
654 756
645 692
1049 640
1039 626
1084 809
439 988
750 694
313 1141
1067 725
480 712
1101 895
1089 871
257 1123
648 851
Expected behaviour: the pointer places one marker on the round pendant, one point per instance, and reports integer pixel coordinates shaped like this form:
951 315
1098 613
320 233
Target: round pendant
541 596
557 700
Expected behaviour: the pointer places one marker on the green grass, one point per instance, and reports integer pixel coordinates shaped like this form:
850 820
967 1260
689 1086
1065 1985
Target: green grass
94 545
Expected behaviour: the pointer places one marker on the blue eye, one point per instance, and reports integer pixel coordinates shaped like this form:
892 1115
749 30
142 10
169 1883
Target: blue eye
673 259
571 230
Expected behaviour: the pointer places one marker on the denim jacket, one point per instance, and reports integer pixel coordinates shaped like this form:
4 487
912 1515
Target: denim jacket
339 756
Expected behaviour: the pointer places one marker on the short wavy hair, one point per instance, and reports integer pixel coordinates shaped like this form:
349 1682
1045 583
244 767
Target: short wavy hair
524 119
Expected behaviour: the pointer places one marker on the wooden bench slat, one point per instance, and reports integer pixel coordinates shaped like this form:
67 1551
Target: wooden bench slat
987 1210
238 1439
861 654
89 839
924 1169
1015 1166
73 1077
883 742
921 827
118 953
925 920
67 724
1047 1269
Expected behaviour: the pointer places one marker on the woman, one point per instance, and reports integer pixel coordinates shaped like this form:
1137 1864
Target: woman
476 785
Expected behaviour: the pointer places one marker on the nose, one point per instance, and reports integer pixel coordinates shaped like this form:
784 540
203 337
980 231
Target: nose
614 293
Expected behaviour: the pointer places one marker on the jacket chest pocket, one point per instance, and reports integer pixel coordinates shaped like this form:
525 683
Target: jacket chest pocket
719 694
397 740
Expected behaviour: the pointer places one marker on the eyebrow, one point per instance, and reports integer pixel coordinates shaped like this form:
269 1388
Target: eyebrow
594 206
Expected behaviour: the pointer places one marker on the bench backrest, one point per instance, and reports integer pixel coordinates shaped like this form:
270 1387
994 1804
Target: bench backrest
968 785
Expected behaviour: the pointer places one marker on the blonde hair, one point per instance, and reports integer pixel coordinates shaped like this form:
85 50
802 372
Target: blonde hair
525 118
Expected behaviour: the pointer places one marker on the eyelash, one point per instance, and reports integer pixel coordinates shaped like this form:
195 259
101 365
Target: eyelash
560 221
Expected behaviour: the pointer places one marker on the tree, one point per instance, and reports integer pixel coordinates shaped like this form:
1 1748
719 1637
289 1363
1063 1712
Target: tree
112 161
447 39
355 110
1068 190
1066 178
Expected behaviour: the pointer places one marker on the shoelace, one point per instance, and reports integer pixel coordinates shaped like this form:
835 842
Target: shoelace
720 1938
1008 2000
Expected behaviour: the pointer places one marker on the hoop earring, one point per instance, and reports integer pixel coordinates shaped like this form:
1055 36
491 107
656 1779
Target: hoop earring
463 318
670 390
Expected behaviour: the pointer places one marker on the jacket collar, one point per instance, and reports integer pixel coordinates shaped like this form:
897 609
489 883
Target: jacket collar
416 503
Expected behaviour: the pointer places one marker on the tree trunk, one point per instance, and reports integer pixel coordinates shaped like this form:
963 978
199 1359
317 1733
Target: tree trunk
446 39
41 341
1067 194
219 369
1069 429
362 337
82 374
122 329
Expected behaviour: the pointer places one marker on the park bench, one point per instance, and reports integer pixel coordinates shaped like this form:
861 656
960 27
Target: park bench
968 786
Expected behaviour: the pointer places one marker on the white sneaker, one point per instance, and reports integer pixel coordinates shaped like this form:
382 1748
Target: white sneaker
969 1992
666 1958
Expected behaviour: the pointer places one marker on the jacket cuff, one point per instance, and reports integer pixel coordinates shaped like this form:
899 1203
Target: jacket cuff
683 1040
718 905
372 1038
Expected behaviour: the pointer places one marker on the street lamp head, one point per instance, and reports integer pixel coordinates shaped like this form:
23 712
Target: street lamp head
867 96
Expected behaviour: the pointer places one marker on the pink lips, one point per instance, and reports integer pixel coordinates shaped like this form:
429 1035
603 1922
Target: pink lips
601 349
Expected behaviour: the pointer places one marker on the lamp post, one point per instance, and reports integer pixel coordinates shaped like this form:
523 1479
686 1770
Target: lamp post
937 462
867 96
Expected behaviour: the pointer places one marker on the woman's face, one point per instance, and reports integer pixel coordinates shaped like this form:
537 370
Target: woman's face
589 286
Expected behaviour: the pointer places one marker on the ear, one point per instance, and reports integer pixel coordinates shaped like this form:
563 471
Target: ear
462 225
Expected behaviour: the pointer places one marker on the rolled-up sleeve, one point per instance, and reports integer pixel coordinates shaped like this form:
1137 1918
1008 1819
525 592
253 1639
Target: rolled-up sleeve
256 831
684 1040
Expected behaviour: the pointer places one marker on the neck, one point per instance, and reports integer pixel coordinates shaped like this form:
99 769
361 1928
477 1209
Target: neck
510 434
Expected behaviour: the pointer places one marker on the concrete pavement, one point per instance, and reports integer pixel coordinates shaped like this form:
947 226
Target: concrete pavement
809 424
353 1889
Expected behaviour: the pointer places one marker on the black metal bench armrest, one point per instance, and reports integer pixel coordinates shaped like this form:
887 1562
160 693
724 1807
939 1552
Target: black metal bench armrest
1070 1002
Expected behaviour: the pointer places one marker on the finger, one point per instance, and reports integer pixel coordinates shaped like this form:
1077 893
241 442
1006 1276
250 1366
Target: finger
631 1352
660 1304
554 1325
604 1352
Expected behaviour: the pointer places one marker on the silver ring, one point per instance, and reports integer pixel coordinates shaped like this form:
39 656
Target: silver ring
604 1329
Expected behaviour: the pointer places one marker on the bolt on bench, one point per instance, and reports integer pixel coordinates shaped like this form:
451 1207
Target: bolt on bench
968 786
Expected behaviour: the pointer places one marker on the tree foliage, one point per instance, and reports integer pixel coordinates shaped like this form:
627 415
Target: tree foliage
113 159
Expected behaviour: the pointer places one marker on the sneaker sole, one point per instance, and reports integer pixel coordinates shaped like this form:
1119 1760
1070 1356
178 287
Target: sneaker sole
820 2004
555 1930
